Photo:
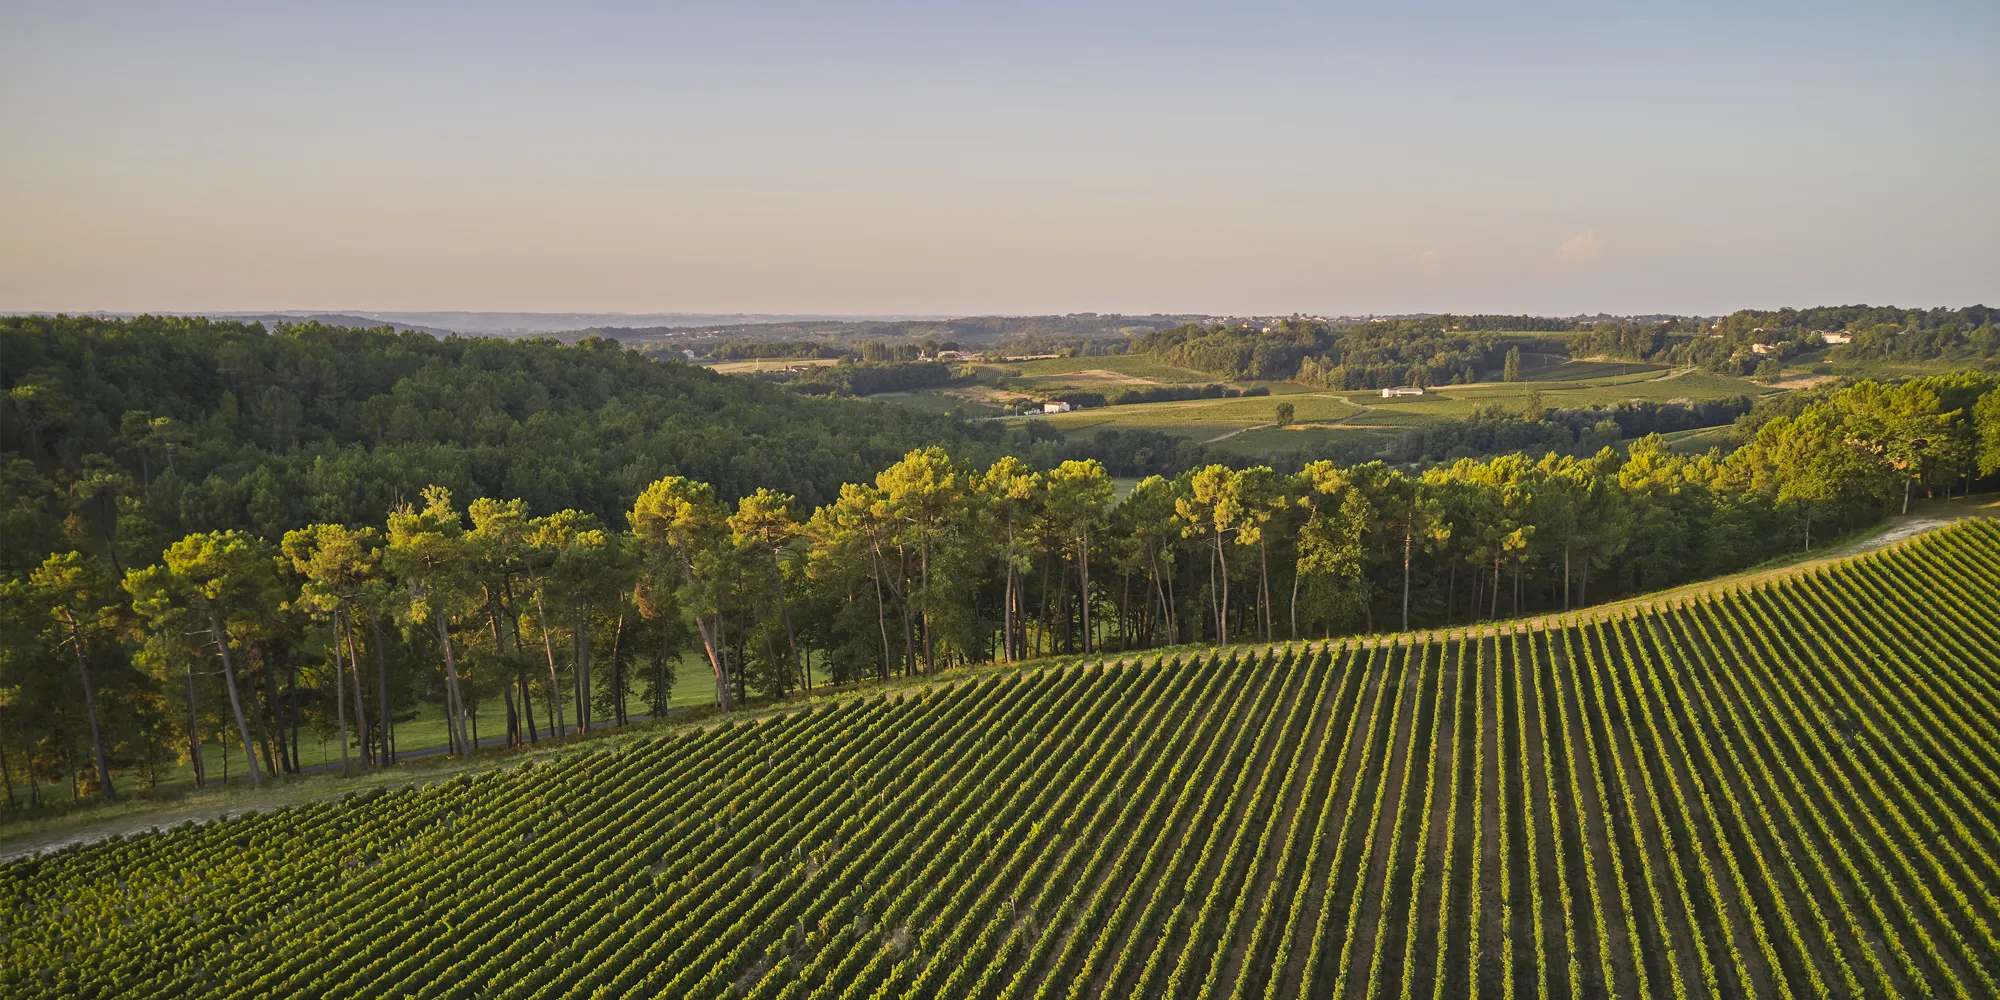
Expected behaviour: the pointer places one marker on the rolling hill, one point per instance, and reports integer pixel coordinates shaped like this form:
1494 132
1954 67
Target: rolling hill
1786 789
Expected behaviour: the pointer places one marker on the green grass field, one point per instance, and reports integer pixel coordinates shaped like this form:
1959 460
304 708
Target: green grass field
423 732
1572 371
1236 425
941 401
1699 440
1138 366
1785 789
1266 441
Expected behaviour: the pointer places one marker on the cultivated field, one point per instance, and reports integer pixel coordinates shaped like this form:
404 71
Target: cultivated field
755 365
1066 371
1246 425
1785 791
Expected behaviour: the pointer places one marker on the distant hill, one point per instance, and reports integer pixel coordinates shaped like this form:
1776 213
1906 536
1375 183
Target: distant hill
1054 331
355 320
566 326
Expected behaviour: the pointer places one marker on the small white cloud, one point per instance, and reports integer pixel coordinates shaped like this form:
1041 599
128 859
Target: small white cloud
1430 262
1582 246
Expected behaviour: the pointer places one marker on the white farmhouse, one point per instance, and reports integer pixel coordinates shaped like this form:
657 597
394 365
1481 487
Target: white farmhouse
1831 337
1056 407
1403 390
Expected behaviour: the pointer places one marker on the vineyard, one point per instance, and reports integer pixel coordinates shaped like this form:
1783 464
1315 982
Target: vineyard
1791 790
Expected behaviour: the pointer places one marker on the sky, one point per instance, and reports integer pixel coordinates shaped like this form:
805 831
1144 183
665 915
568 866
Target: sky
1023 158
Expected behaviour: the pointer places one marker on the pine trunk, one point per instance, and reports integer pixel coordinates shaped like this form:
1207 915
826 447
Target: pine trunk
555 684
340 702
90 710
387 730
360 703
221 636
1083 588
454 694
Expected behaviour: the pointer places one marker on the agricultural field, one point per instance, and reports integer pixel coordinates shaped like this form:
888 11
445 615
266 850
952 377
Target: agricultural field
1205 418
1108 369
970 403
1457 402
1555 369
1246 426
756 365
1785 790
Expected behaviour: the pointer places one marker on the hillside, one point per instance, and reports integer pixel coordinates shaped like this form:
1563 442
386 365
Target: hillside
1773 791
174 424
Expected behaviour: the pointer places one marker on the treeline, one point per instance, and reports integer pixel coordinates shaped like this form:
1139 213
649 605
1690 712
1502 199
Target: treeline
1451 350
1571 430
1759 342
566 616
1085 333
749 350
1432 350
866 378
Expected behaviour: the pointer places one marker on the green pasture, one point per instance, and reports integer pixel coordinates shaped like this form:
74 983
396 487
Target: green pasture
1263 441
940 401
1699 440
1206 418
1574 371
1142 366
1240 425
425 730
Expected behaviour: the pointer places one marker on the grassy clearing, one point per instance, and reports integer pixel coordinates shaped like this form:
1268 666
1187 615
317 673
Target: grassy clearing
1212 419
1238 425
1457 402
417 738
1264 441
942 401
1698 440
1321 413
1572 371
1141 366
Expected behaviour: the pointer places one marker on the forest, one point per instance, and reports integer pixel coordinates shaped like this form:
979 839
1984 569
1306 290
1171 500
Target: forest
204 571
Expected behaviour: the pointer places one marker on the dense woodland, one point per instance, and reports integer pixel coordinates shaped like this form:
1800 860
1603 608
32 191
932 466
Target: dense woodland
220 535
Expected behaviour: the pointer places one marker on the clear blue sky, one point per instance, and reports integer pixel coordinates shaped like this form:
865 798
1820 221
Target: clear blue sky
1020 158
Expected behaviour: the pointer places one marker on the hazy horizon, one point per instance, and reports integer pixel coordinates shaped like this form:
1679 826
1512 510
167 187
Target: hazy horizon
918 160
